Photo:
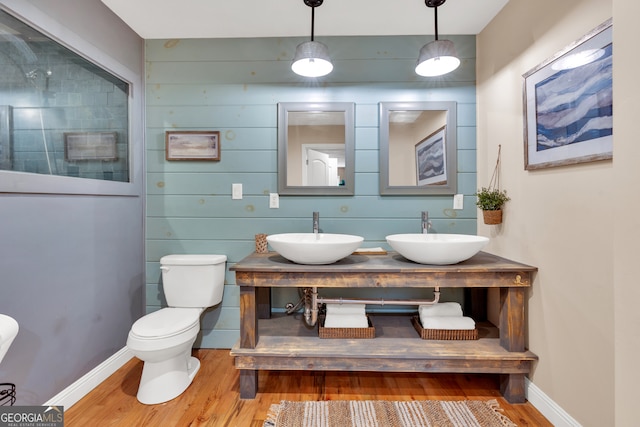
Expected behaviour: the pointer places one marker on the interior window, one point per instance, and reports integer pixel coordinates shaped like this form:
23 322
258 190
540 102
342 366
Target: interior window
60 114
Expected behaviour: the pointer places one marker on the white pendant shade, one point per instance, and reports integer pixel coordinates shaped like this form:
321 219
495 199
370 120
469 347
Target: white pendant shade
437 58
312 60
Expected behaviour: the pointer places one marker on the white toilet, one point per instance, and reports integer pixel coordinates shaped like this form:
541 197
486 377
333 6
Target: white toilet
163 339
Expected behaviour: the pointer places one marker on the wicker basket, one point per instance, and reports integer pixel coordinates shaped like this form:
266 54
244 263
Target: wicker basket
492 217
350 333
443 334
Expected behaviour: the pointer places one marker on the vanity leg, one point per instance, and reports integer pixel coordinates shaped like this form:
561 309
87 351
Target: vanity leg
248 339
512 330
512 318
248 383
512 388
263 297
475 303
248 317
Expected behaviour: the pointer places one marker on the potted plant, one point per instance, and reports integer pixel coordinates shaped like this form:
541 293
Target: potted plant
490 200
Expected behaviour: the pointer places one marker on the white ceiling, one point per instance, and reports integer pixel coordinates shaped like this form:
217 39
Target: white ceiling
169 19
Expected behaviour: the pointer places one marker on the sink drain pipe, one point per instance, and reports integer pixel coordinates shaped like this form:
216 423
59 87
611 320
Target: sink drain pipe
312 300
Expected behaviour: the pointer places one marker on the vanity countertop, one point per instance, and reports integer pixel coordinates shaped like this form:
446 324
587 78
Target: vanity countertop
387 270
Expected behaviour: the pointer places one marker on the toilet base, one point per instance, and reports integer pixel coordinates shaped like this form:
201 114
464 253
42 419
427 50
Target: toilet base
168 379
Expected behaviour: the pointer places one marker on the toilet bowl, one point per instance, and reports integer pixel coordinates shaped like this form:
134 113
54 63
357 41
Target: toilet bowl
169 367
163 339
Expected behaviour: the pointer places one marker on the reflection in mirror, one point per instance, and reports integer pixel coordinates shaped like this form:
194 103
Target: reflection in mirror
418 148
315 148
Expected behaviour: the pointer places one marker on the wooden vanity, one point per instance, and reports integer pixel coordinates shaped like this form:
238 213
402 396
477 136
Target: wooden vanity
264 344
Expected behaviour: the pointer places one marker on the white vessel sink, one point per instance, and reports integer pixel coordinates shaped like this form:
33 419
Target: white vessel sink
310 248
439 249
8 331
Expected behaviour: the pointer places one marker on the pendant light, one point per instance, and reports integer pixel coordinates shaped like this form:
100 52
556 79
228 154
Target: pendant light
312 57
439 56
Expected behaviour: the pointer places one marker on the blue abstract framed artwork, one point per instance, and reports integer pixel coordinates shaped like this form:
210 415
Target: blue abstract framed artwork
568 104
431 162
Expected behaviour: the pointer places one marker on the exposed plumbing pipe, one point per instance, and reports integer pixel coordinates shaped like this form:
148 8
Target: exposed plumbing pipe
380 301
311 307
311 304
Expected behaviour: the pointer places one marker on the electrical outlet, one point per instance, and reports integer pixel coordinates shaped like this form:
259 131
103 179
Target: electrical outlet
274 201
236 191
458 201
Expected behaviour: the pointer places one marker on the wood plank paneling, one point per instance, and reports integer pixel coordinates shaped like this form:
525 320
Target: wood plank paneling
272 71
301 208
368 94
232 161
234 85
282 48
182 183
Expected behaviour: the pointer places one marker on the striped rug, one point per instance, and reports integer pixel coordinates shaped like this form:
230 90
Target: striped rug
380 413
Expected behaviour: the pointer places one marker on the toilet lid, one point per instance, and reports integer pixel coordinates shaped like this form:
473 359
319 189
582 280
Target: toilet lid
192 259
166 322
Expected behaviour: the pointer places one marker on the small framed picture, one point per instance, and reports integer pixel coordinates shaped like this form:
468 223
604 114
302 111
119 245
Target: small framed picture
90 146
568 104
192 145
431 162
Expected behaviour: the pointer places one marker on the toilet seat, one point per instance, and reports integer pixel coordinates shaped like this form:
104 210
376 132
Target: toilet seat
166 323
168 328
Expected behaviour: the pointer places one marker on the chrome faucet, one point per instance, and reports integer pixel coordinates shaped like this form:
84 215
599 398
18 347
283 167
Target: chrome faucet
316 223
425 223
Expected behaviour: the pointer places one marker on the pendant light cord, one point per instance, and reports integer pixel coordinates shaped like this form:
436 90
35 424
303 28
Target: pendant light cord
435 11
313 9
434 4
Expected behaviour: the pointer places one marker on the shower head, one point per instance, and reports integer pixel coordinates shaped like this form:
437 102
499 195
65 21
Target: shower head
35 73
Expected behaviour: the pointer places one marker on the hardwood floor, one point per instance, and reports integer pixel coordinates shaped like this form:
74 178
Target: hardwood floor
213 397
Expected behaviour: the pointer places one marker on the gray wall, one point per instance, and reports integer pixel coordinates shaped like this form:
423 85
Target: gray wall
72 265
234 85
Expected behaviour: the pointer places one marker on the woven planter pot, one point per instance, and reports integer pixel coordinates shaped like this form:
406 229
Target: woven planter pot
492 217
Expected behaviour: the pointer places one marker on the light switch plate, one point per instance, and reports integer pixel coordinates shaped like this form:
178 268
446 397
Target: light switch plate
458 201
274 201
236 191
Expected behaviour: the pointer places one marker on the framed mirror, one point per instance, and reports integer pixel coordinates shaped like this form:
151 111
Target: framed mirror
418 148
316 148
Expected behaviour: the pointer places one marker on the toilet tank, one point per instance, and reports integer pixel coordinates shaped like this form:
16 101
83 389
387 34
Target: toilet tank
193 280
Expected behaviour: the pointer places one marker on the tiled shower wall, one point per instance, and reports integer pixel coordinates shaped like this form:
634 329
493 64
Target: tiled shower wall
59 92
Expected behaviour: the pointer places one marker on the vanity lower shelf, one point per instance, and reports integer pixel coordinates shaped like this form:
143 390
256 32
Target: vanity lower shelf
286 344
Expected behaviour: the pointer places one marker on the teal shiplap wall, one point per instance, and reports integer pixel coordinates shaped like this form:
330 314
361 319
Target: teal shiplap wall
234 85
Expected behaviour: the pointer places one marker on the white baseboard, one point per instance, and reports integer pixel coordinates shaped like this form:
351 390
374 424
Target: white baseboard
76 391
547 407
